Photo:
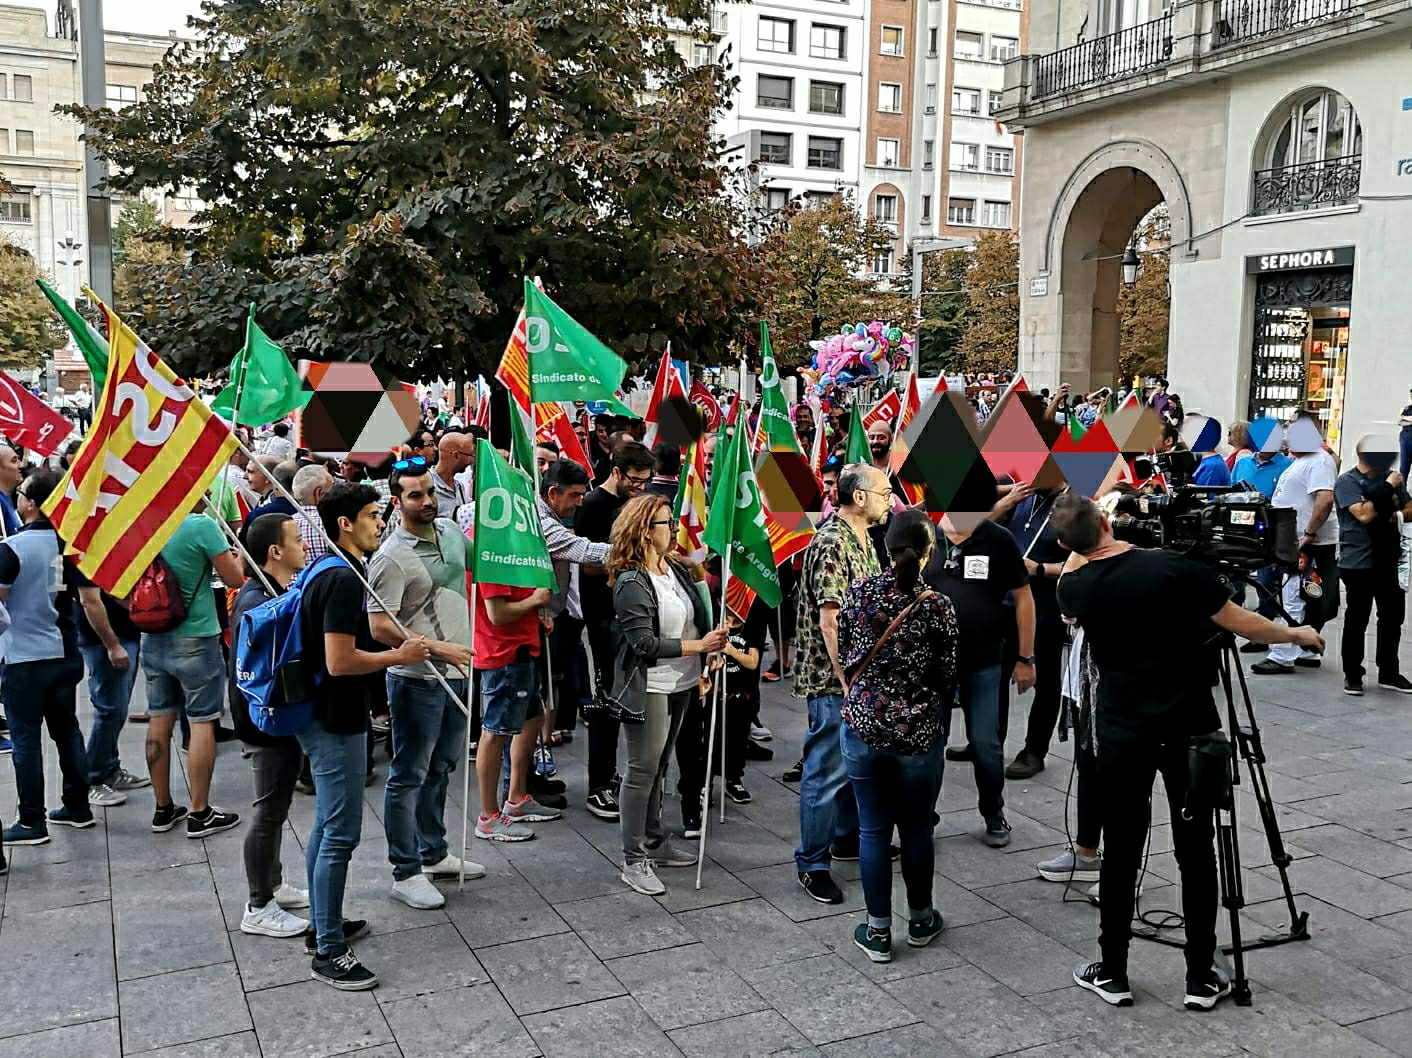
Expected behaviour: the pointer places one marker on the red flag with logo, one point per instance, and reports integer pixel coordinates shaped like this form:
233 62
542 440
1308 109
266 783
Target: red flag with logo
710 407
886 410
28 421
668 385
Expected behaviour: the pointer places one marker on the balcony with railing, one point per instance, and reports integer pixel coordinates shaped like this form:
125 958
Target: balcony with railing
1321 184
1109 58
1238 21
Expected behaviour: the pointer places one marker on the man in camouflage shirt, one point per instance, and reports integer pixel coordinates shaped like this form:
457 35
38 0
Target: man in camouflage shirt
840 553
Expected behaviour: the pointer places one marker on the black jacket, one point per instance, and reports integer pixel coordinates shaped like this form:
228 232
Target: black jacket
251 594
641 643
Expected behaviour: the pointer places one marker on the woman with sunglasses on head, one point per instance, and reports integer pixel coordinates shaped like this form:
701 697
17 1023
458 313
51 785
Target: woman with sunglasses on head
897 646
666 630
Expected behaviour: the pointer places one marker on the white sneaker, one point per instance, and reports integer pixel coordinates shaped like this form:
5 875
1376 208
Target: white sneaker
760 733
105 796
288 896
641 878
450 867
418 892
272 921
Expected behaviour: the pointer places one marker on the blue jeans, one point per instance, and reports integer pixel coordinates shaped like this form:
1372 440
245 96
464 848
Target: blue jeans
428 739
828 811
339 764
110 691
186 675
894 790
979 695
1271 578
41 694
1405 444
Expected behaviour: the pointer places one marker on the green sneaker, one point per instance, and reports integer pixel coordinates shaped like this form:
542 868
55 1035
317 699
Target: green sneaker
920 934
876 944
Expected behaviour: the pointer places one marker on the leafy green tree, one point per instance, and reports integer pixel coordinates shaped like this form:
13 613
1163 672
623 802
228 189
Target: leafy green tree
1144 307
378 178
29 329
991 341
943 308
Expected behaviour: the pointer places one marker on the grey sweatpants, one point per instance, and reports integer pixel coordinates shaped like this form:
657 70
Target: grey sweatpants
649 752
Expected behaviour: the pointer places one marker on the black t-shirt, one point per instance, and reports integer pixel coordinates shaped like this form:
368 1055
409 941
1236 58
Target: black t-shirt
1145 615
334 601
978 576
118 617
741 681
594 521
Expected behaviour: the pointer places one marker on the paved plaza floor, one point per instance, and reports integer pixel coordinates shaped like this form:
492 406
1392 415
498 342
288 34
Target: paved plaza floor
116 940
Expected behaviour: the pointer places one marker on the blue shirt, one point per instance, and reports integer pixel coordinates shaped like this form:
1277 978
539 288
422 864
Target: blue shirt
8 516
41 592
1212 471
1263 475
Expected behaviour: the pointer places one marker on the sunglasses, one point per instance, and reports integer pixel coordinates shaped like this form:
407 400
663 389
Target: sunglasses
409 463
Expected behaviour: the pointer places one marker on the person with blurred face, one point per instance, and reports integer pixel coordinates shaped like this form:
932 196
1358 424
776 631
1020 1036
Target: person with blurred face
880 444
456 451
546 454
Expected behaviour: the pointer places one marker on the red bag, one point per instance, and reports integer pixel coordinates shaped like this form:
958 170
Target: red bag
156 603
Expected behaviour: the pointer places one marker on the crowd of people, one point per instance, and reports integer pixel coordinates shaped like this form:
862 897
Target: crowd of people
891 624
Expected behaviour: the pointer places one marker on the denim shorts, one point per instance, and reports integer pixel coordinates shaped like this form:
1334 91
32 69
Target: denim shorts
184 672
510 697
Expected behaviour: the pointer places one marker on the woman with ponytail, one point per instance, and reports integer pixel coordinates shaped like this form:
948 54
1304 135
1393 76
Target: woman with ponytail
897 645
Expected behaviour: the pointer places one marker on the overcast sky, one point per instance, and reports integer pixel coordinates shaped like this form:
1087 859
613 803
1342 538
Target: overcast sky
156 17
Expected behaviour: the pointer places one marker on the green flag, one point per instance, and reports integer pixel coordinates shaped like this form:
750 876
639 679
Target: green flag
858 450
521 446
91 344
263 383
1076 428
737 520
565 361
774 409
509 542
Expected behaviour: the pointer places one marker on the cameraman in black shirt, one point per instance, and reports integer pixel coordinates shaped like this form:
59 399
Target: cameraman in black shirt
1151 703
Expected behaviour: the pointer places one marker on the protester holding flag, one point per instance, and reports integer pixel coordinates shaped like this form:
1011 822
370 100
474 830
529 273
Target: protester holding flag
667 627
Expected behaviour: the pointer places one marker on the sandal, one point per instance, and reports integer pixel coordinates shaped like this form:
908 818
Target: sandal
560 738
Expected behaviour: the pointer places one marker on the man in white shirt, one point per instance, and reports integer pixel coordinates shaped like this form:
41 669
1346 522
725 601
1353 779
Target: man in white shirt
278 443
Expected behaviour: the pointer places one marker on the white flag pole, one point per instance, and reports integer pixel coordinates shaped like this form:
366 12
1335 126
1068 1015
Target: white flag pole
466 765
711 724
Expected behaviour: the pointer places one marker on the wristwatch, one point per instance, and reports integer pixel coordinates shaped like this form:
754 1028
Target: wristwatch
1026 660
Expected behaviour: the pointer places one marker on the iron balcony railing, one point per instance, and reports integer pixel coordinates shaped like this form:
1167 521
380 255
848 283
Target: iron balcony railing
1308 185
1109 58
1238 21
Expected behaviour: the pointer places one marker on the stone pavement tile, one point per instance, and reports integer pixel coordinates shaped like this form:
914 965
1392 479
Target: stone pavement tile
1396 972
975 1014
1149 1028
1401 921
826 999
179 1007
1277 1026
347 1021
911 1041
56 968
1326 985
417 961
624 924
80 878
267 962
569 868
780 886
503 913
92 1039
236 1045
1027 833
958 905
685 986
471 1022
385 1050
1259 885
1343 935
718 886
1393 1031
741 844
614 1026
1014 953
1382 859
171 921
548 972
750 933
762 1035
836 934
972 865
1042 905
1356 892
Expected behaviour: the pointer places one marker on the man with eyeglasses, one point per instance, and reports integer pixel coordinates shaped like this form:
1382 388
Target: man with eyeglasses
632 468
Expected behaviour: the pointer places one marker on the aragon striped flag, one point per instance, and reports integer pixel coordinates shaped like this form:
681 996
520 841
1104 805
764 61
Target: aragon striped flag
152 452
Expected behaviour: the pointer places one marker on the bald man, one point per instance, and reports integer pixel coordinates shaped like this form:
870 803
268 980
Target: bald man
454 455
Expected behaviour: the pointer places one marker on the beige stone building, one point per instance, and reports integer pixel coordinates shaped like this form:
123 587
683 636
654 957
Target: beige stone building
1279 135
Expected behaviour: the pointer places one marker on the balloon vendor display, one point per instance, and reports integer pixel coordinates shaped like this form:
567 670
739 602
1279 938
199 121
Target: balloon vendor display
858 354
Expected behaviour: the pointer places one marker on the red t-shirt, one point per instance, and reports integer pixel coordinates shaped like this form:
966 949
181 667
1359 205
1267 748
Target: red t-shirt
497 645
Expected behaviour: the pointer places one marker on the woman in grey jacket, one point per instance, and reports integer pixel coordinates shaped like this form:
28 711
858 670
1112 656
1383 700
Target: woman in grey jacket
666 629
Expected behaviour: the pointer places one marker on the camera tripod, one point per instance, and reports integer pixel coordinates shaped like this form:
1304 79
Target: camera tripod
1247 745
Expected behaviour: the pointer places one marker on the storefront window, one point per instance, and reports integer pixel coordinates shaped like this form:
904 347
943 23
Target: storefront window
1301 361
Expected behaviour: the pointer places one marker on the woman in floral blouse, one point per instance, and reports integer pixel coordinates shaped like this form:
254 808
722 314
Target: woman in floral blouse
893 733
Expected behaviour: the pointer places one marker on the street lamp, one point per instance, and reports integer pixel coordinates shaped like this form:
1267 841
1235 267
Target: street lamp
70 246
1131 262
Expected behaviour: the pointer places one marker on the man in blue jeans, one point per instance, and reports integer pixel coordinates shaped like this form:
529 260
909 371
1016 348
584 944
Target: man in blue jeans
339 646
840 553
109 642
420 573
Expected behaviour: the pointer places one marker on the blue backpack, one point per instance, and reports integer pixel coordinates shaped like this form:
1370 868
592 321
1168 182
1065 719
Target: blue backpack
269 659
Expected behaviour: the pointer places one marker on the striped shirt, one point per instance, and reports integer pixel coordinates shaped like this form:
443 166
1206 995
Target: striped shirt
314 543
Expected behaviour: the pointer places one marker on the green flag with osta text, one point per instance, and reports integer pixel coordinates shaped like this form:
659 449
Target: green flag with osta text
509 542
775 424
737 519
566 362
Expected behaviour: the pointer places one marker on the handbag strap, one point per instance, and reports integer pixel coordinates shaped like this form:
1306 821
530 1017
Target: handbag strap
896 623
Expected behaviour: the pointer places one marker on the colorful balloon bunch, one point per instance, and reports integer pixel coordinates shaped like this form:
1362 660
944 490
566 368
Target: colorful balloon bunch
858 354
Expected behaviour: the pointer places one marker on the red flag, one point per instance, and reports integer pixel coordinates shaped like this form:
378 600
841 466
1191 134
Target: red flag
913 404
734 413
560 430
28 421
886 411
668 385
710 407
482 413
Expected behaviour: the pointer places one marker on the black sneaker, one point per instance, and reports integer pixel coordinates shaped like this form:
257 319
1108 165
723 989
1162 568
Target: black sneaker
958 753
1271 668
344 972
997 832
1308 663
690 822
923 932
796 773
353 928
1113 989
474 746
755 751
737 793
1398 683
1204 992
821 886
603 804
212 821
1026 765
540 788
773 673
876 944
1353 685
67 817
166 817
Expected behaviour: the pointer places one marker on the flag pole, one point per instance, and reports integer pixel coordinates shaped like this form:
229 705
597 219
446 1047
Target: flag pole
234 539
711 728
466 763
244 366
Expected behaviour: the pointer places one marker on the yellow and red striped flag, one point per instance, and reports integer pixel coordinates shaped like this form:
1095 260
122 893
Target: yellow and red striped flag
915 493
151 454
691 506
